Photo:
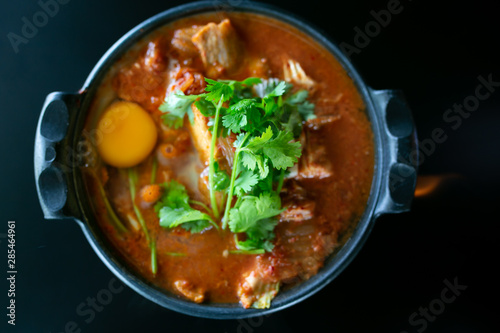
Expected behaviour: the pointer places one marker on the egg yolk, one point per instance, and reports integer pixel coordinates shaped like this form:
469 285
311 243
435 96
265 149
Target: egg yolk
128 134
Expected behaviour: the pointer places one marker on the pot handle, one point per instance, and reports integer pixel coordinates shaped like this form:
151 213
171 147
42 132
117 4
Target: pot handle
54 158
400 160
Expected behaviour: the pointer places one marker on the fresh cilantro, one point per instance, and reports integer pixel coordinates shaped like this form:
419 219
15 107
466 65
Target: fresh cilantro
267 120
245 182
291 120
176 106
243 115
279 90
221 178
205 107
174 210
253 216
305 108
250 81
297 98
251 210
174 196
218 90
190 219
281 151
266 87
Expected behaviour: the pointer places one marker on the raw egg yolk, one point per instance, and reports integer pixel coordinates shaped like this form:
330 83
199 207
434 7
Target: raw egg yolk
127 134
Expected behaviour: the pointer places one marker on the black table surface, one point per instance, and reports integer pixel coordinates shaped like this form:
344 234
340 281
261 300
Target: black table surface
399 282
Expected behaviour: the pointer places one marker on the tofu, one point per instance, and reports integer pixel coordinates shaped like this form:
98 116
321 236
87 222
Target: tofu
220 48
201 136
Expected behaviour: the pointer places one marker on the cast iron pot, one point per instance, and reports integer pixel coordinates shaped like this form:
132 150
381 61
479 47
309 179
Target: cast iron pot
62 193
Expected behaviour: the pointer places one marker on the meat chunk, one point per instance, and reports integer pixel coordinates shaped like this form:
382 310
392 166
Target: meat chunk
320 121
182 42
219 47
144 81
189 291
298 212
255 292
298 207
293 72
185 79
314 162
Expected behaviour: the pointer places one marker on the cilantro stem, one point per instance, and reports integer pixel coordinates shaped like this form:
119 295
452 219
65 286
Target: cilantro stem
280 182
224 196
114 218
154 261
258 251
201 204
175 254
238 201
132 178
234 173
215 130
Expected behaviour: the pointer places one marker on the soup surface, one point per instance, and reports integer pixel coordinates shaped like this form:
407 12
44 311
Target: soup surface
224 219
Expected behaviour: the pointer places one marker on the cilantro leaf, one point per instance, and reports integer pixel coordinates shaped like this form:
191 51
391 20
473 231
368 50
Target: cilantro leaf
173 210
205 107
251 81
174 195
177 105
292 120
251 210
305 108
172 121
254 217
245 182
251 161
173 217
243 115
279 90
218 90
282 152
297 98
267 87
196 226
252 244
221 178
258 142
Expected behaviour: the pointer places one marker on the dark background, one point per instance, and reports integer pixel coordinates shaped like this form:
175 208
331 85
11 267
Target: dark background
433 52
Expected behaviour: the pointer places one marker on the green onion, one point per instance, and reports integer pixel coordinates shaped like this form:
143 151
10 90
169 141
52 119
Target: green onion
132 178
114 218
174 254
154 261
257 251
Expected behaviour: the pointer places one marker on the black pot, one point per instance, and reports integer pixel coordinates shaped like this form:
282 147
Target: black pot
62 193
